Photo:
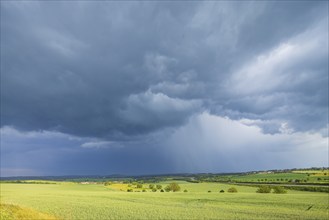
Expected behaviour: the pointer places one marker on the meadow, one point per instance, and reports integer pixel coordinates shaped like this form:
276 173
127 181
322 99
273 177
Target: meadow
65 200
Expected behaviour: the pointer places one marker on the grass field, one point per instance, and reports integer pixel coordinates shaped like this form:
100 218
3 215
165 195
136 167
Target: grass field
78 201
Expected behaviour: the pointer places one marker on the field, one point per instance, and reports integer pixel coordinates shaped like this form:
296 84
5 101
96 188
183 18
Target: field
66 200
283 177
299 176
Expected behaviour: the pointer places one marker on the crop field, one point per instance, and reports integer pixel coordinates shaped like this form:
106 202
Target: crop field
95 201
303 176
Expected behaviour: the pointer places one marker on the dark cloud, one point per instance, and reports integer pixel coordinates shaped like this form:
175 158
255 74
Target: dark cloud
117 73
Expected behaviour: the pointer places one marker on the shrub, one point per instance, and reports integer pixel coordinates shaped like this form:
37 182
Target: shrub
222 191
144 190
151 186
263 189
185 190
139 185
129 190
161 190
154 190
232 190
209 191
167 189
159 186
279 190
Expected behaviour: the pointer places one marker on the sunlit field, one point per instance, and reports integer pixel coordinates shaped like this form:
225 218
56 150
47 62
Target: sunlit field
202 200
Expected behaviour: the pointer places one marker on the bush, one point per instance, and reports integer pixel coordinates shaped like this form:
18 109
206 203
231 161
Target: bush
167 189
209 191
222 191
129 190
263 189
144 190
159 186
161 190
151 186
185 190
232 190
279 190
154 190
139 185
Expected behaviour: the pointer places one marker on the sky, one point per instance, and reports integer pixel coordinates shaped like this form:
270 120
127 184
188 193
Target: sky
142 87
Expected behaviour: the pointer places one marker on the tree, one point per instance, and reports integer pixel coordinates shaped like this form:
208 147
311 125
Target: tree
279 190
222 191
185 190
173 187
167 188
154 190
159 186
232 190
151 186
263 189
139 185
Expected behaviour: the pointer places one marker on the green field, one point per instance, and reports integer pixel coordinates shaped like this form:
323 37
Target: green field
274 177
78 201
308 176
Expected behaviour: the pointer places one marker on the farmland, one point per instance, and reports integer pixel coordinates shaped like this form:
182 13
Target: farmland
67 200
318 177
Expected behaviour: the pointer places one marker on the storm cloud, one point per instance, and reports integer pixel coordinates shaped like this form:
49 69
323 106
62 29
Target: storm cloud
114 83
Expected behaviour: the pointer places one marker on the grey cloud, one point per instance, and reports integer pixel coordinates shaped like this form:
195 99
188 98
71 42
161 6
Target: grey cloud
147 110
53 153
74 70
127 75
